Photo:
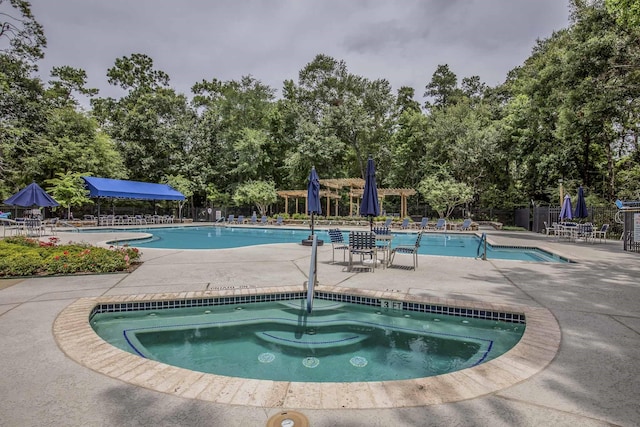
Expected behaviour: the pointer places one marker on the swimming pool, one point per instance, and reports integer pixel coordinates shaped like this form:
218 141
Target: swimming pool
213 237
337 342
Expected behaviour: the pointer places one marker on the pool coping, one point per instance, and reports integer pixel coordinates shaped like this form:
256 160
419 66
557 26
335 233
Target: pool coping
536 349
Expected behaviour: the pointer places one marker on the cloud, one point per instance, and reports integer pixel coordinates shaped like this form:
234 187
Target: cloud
272 40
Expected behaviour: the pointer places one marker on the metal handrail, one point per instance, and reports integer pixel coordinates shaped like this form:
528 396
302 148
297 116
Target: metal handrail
313 273
483 239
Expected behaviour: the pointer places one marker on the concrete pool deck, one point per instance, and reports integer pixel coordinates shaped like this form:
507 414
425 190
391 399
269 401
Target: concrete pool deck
593 380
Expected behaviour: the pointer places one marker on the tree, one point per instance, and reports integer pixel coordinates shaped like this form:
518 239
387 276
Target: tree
21 36
68 189
152 124
443 194
260 193
181 184
443 88
626 12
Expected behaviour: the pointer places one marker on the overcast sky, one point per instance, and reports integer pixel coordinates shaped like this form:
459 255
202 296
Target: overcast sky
402 41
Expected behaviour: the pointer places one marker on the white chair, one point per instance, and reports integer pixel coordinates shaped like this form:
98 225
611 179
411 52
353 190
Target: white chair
600 234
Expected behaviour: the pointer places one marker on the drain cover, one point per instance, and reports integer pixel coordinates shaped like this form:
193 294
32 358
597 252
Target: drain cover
288 419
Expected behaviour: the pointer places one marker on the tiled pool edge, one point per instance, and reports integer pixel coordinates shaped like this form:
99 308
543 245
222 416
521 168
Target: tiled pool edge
534 352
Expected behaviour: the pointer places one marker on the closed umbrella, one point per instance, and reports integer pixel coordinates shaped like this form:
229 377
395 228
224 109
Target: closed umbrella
31 196
565 212
313 196
581 205
370 206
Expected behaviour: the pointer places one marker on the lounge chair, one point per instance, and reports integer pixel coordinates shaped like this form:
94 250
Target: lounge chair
240 219
264 220
279 221
231 219
254 220
466 225
362 244
404 224
423 223
407 249
600 234
441 225
338 243
547 230
386 223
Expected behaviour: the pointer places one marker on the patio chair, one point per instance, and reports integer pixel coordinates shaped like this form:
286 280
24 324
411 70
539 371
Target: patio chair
600 234
51 224
407 249
338 243
363 244
264 220
279 221
231 219
254 220
240 219
11 226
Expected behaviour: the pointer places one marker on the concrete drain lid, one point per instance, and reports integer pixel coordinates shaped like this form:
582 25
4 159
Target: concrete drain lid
288 419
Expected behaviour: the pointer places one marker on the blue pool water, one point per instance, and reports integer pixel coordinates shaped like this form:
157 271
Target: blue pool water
211 237
338 342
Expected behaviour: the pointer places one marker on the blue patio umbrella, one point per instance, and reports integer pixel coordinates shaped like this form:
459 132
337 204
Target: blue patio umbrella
31 196
565 212
581 205
313 196
370 206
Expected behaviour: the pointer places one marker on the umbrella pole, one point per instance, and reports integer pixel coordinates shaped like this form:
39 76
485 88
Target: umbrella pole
312 224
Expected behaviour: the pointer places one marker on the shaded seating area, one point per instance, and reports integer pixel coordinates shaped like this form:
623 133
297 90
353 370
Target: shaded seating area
107 188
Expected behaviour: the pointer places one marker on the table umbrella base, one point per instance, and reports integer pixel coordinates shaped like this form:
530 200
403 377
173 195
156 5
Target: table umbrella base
309 241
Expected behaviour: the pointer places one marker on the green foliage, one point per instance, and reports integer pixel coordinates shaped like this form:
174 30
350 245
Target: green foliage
260 193
68 190
20 256
444 194
626 12
570 112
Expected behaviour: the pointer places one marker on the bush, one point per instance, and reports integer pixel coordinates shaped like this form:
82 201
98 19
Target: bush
20 256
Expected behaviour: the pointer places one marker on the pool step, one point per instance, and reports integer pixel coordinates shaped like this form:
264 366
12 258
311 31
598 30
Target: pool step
312 338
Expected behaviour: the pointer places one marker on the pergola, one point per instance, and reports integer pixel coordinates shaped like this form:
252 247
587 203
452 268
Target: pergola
299 194
356 189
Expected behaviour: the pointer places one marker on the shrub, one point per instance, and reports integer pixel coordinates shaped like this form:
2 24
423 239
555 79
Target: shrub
20 256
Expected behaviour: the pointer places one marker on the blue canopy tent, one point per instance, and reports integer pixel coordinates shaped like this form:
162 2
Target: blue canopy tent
122 189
